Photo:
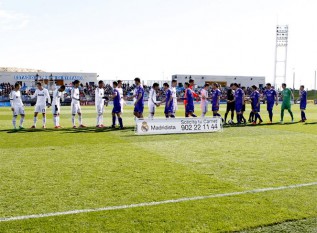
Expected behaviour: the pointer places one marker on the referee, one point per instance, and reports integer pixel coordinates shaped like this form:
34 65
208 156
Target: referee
230 103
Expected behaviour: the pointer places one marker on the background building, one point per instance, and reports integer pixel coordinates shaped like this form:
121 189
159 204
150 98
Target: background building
201 80
28 77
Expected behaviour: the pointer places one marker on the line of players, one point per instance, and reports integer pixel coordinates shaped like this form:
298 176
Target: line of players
236 101
43 101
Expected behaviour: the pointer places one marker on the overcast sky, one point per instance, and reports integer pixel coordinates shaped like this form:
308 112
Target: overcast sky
153 39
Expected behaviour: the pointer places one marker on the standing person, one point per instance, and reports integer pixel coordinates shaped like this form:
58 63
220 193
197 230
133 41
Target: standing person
152 103
17 106
139 99
204 100
244 121
189 100
238 99
169 110
303 102
116 111
120 90
75 105
255 101
56 105
271 97
286 95
174 95
42 97
100 103
191 86
230 103
216 94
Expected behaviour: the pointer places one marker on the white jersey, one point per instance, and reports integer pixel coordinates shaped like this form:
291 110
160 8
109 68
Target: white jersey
152 97
41 97
75 96
57 95
121 93
204 96
15 99
173 90
99 94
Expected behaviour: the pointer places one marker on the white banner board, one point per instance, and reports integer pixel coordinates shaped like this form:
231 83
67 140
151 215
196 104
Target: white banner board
178 125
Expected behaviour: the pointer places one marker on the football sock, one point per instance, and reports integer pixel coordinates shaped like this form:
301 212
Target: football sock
55 120
290 112
44 120
35 120
282 114
114 120
120 122
271 115
243 119
73 120
21 121
80 119
14 121
256 118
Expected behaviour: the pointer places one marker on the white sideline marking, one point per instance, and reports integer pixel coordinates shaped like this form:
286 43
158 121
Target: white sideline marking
185 199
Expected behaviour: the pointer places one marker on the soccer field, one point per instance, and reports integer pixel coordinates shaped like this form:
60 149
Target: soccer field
251 178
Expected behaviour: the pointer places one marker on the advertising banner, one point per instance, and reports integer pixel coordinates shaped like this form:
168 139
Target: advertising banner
178 125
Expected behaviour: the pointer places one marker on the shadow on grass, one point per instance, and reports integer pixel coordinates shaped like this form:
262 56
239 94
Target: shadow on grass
70 130
131 128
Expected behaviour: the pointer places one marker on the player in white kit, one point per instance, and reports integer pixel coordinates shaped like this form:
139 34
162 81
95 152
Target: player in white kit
75 105
120 90
152 103
204 100
173 90
56 105
17 106
100 103
42 99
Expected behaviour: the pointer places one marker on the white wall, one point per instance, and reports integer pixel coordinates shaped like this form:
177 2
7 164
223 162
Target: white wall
200 80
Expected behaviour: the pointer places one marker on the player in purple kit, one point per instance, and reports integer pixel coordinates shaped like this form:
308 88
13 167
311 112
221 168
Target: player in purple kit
255 98
189 101
271 97
169 108
139 96
238 99
303 102
116 106
215 96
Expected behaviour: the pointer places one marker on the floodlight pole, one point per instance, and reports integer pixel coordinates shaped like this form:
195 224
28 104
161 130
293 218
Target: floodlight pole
281 43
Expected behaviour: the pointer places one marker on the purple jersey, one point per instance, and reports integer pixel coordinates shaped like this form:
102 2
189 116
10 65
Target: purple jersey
215 96
189 96
270 95
255 96
117 98
239 96
140 93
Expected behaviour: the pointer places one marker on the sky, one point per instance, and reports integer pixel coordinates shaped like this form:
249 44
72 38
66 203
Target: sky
154 39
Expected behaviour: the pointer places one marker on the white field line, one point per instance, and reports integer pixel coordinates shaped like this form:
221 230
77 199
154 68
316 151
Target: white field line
155 203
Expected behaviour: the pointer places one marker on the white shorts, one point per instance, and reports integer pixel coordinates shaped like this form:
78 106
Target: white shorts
100 108
204 108
54 110
19 110
40 108
152 108
75 108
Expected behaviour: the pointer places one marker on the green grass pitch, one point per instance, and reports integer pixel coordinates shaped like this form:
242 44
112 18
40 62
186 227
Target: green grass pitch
47 171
